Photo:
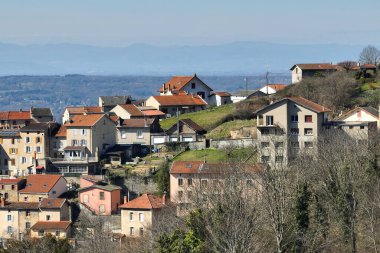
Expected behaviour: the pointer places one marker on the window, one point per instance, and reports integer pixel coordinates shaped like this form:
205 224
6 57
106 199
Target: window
351 127
180 195
26 198
27 225
38 149
180 182
27 139
39 199
48 217
123 134
264 144
27 213
279 158
28 149
264 131
38 139
193 85
308 118
308 131
139 134
131 216
203 183
53 192
269 120
41 233
83 131
249 183
57 233
13 141
141 217
264 158
279 144
13 187
13 162
294 131
9 217
83 142
308 144
101 195
294 144
23 159
141 231
201 94
13 151
361 127
74 142
189 181
9 230
131 231
294 118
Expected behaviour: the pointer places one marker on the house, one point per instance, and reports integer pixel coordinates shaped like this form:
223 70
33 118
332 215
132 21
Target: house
137 131
14 119
107 103
361 114
241 95
219 98
272 88
188 131
361 132
303 70
128 111
100 198
188 179
58 142
141 214
186 85
59 229
171 105
286 126
39 187
41 114
9 148
9 188
80 110
151 112
87 138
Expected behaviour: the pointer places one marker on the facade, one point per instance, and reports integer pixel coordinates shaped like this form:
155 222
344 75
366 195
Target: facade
58 142
39 187
41 115
219 98
80 110
14 119
139 216
272 88
361 114
171 105
303 70
288 125
186 85
87 138
9 188
128 111
9 148
136 131
107 103
188 131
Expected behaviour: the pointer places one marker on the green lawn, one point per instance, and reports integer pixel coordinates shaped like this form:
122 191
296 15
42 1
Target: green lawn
223 130
370 86
218 155
206 118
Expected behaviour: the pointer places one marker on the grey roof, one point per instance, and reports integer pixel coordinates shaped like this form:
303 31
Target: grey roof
35 127
41 112
371 110
9 133
108 187
115 100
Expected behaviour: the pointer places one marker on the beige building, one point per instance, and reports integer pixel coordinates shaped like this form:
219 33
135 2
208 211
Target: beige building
187 131
80 110
87 138
139 216
9 188
136 131
128 111
9 148
39 187
361 114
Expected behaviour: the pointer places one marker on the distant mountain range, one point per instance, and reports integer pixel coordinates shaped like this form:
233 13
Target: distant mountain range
240 58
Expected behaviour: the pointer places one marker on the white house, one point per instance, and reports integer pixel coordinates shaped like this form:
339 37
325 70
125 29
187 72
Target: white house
220 98
272 88
361 114
303 70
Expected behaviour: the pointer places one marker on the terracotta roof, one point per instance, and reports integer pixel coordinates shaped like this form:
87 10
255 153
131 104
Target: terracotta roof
46 225
197 128
88 120
368 66
277 87
62 132
137 122
316 66
368 109
221 94
180 100
21 205
11 180
145 201
153 113
177 83
132 110
92 178
200 167
114 118
108 187
84 109
52 203
15 115
301 101
74 148
40 183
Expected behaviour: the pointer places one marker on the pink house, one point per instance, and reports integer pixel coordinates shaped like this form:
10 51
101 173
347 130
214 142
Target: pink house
102 199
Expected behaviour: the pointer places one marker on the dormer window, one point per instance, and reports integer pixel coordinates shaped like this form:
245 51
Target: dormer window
193 85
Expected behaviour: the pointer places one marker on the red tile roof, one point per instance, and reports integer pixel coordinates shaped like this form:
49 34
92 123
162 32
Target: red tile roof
40 183
132 110
177 83
180 100
114 118
87 120
46 225
52 203
277 87
62 132
200 167
309 104
21 205
137 122
368 66
222 93
153 113
84 109
316 66
15 115
11 181
145 201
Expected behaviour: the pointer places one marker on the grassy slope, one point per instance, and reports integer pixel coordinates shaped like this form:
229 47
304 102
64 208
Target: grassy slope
206 118
217 155
223 130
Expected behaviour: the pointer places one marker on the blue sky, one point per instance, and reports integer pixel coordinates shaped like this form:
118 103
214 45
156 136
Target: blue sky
189 22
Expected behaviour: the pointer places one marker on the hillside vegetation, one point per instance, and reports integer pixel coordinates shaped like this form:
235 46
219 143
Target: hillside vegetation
219 155
223 130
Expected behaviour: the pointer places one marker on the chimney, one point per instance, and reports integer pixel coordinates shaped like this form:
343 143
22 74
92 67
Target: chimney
125 200
2 202
163 88
164 198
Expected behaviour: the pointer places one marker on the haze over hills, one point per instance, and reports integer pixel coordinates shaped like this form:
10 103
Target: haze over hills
239 58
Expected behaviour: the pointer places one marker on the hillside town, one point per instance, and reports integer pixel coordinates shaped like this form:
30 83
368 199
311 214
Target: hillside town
125 171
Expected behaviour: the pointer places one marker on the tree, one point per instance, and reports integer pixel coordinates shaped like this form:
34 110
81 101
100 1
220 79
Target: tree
369 55
163 178
46 244
347 65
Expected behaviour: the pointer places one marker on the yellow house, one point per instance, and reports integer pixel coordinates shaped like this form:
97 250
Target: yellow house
9 149
9 188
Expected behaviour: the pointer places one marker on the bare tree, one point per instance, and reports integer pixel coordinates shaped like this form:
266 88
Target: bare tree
369 55
347 65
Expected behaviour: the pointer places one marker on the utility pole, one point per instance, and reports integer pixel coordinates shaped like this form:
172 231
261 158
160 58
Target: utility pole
177 124
266 77
246 86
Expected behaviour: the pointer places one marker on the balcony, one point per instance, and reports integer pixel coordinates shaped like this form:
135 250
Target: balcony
74 160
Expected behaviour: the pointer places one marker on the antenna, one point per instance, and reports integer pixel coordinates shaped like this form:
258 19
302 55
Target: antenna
266 77
246 85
